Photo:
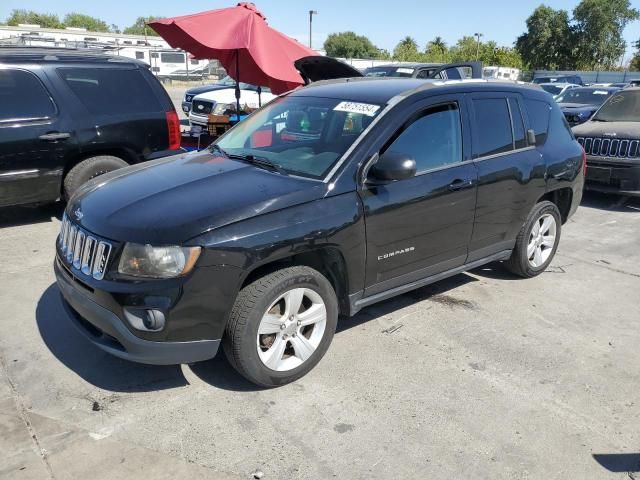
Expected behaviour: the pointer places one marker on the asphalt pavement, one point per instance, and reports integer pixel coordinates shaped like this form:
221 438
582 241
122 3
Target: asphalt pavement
480 376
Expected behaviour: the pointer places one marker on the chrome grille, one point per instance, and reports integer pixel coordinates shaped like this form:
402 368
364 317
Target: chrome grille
82 251
610 147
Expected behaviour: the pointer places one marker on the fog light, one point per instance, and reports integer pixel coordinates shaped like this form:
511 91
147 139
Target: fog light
145 320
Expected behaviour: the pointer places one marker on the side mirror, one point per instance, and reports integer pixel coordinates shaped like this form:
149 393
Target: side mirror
392 166
531 137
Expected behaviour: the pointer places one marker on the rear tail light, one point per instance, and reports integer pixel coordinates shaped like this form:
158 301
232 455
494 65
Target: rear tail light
584 162
173 128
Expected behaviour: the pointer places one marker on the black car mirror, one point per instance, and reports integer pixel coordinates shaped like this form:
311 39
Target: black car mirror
531 136
392 166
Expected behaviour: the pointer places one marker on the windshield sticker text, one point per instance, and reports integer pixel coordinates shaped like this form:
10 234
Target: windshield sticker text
354 107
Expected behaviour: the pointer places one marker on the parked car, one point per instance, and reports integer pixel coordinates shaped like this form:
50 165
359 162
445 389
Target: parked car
222 84
426 71
579 104
575 79
327 200
557 89
68 116
221 101
611 140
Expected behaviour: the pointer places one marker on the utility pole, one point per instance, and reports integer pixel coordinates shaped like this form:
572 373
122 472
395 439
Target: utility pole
478 35
311 14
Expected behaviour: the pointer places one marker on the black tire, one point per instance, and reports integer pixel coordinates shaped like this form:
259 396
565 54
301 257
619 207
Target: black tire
88 169
519 263
240 339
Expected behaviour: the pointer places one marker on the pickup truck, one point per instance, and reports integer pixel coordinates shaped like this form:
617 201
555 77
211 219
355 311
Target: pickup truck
328 199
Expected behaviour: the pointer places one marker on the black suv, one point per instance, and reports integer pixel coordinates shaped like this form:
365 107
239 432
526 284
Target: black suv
67 116
327 200
611 140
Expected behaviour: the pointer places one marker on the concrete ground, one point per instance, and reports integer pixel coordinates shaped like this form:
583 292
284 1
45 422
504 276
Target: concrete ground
480 376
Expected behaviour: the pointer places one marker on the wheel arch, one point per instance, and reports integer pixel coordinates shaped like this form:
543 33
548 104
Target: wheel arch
561 198
329 261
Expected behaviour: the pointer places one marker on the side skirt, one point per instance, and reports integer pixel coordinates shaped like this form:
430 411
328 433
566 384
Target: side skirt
357 302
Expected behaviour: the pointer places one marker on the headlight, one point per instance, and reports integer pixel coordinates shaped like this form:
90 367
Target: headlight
188 98
157 262
220 108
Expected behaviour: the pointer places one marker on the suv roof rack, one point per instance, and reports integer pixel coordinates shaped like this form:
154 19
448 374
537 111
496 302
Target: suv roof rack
13 53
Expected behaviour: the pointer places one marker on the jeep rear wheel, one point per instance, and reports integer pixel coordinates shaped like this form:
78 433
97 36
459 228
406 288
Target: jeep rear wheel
89 169
537 241
281 326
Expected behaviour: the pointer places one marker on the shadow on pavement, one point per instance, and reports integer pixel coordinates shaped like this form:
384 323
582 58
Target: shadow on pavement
619 462
16 216
614 203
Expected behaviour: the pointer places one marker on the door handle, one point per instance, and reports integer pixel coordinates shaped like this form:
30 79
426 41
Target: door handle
54 136
460 185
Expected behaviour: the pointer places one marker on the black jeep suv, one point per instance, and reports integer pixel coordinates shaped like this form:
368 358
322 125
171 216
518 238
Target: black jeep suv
611 140
67 116
330 198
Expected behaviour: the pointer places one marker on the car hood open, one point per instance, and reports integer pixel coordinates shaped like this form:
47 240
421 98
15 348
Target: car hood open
174 199
316 68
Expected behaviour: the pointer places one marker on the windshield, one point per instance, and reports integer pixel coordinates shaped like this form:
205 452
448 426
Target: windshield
587 96
621 107
552 89
303 136
389 71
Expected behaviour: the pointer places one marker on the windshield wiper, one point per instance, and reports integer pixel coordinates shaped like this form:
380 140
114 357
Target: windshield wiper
260 162
595 119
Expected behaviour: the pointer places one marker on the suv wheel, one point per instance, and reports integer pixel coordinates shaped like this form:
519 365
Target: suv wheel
88 169
537 242
281 326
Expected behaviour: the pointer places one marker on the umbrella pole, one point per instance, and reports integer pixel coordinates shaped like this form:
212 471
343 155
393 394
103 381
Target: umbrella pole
238 84
259 96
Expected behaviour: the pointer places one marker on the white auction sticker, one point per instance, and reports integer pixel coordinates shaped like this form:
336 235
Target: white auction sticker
601 92
405 70
355 107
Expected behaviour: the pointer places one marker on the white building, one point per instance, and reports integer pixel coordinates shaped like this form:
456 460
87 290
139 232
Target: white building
165 62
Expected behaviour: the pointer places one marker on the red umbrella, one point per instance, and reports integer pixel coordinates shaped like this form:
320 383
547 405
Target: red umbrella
239 37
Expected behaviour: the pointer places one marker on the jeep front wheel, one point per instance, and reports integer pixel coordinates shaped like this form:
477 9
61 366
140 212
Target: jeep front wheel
281 326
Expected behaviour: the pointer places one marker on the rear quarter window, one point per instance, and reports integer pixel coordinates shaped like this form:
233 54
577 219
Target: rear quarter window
538 112
111 91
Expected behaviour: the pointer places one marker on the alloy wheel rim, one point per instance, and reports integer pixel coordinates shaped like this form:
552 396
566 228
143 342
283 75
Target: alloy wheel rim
291 329
542 239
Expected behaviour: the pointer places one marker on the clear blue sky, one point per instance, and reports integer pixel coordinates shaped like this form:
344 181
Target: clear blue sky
385 22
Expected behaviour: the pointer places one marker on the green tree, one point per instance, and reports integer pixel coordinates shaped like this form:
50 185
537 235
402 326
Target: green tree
635 61
407 51
45 20
138 28
79 20
351 45
598 31
437 51
547 42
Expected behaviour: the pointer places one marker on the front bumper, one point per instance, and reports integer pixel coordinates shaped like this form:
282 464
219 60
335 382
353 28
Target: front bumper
107 330
619 177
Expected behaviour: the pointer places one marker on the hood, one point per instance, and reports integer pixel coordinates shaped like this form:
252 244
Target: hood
316 68
204 88
620 130
171 200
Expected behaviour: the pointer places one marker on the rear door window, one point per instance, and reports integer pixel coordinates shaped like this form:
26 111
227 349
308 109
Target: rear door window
538 113
111 91
492 127
23 97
